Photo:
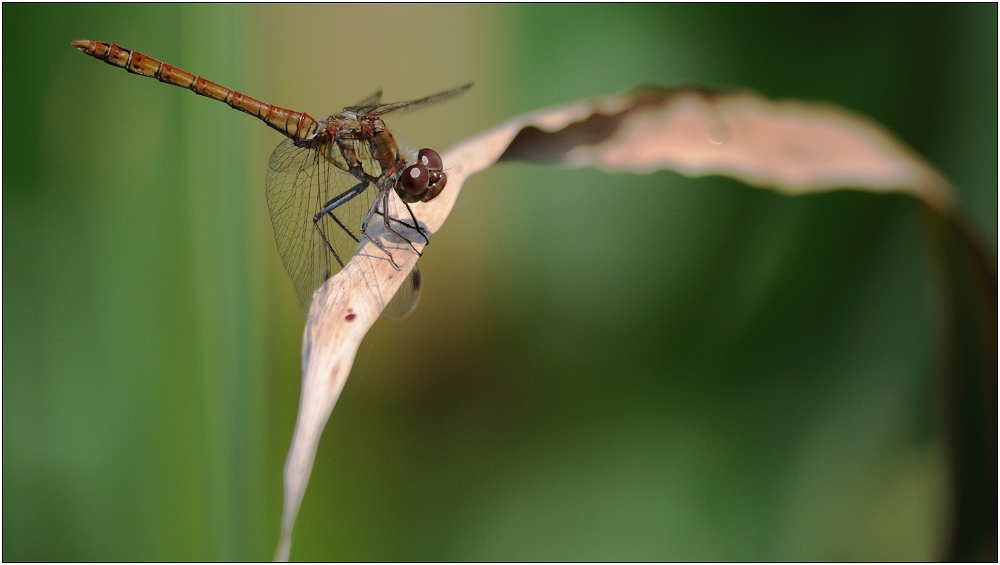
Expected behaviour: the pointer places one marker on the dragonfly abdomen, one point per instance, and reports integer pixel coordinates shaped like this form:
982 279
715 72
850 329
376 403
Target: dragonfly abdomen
296 125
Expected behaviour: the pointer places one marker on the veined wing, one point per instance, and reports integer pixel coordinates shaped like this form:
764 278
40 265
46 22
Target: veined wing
406 298
414 104
300 182
368 104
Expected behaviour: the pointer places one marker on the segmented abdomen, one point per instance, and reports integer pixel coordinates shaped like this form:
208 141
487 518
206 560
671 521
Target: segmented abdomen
296 125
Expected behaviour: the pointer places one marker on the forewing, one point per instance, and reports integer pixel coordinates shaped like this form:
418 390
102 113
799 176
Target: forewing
368 104
300 183
414 104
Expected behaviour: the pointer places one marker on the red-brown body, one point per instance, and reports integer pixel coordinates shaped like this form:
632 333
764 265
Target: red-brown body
297 125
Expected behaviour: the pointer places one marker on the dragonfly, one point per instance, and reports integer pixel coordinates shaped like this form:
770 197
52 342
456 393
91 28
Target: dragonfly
328 180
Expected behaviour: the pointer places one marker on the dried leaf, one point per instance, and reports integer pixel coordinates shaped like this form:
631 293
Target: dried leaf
790 146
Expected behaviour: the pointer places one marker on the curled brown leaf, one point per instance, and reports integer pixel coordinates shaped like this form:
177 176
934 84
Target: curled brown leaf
790 146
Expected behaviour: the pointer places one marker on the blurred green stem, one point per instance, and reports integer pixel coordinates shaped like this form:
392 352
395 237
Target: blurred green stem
969 285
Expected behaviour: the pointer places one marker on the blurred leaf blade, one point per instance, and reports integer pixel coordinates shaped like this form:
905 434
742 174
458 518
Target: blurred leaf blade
792 147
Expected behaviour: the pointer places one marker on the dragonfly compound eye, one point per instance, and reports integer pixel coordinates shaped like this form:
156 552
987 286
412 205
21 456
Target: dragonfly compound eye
430 159
415 179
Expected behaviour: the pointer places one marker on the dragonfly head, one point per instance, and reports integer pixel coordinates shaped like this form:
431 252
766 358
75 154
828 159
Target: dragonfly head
423 180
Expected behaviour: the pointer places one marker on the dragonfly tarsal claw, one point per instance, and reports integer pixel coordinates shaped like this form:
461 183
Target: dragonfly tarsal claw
393 263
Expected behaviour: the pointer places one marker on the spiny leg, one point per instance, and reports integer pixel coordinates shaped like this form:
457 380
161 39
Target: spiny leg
328 209
364 232
386 218
415 226
397 220
327 242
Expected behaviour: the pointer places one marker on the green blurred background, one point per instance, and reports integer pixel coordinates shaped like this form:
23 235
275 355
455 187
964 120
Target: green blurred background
714 372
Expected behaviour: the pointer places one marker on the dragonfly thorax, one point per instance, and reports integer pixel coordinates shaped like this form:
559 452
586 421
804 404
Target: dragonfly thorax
359 144
384 148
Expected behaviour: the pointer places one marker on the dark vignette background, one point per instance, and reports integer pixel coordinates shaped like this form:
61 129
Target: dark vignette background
608 367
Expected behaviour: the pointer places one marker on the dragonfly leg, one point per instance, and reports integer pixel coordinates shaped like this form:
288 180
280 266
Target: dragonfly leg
384 250
415 226
364 232
386 218
328 210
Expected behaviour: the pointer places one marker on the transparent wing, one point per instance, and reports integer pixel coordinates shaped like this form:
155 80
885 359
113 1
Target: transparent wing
414 104
300 182
368 104
407 297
